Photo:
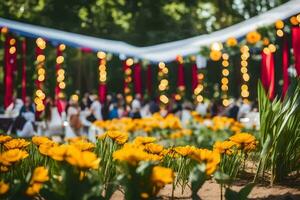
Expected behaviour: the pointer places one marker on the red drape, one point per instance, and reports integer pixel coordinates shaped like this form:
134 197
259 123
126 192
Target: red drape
296 47
180 76
149 80
124 70
194 76
102 90
10 61
137 78
24 70
285 66
268 73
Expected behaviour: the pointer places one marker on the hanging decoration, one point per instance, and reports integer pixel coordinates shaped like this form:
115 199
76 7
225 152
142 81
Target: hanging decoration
40 96
285 66
102 89
225 79
149 80
268 72
199 89
137 78
163 83
180 79
10 61
60 72
128 63
23 84
244 70
296 47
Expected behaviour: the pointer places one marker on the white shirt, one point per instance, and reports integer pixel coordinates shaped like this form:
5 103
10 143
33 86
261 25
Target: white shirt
201 109
96 110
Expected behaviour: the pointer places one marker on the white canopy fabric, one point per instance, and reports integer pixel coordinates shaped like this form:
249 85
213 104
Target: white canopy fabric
162 52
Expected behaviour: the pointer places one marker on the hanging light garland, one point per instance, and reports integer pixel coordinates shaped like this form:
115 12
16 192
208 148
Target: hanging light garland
163 83
225 79
180 79
41 73
199 89
60 72
102 75
279 28
128 80
244 70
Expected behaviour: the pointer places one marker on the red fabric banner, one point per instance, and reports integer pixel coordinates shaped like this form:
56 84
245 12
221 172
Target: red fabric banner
194 76
102 90
137 78
268 73
285 66
10 62
180 76
23 70
124 70
149 80
296 47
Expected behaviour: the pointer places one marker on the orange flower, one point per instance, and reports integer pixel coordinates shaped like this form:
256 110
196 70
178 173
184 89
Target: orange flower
16 144
215 55
231 42
253 37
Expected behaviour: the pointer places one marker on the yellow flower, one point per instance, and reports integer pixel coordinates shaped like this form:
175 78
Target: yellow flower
45 147
118 136
266 41
253 37
185 150
162 176
244 141
16 144
131 154
143 140
294 21
58 152
215 55
210 158
224 147
231 42
83 145
4 138
38 140
279 24
153 148
83 160
34 189
4 187
40 175
9 157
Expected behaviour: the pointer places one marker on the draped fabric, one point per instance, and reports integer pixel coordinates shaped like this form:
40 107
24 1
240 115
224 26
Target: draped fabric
285 66
23 84
268 73
102 90
149 80
180 75
296 47
137 78
10 63
194 76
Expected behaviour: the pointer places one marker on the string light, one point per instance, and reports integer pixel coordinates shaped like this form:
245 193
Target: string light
279 26
199 89
244 70
163 83
128 80
102 67
41 74
60 72
225 79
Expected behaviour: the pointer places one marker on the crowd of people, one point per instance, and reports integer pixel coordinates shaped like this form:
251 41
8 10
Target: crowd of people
73 118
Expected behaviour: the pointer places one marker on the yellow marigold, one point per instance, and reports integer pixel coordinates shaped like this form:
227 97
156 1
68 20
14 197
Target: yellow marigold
244 141
16 144
279 24
131 154
4 138
185 150
153 148
144 140
294 21
34 189
83 160
266 41
40 175
118 136
45 147
161 176
4 187
253 37
176 135
38 140
231 42
215 55
224 147
210 158
57 152
11 156
83 145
